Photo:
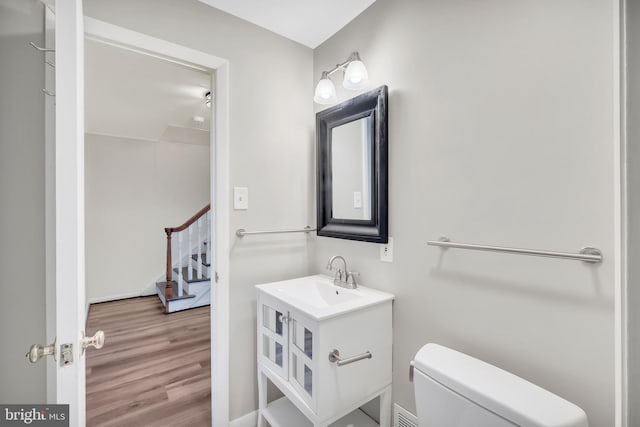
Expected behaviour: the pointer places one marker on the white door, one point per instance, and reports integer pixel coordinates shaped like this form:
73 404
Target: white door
65 296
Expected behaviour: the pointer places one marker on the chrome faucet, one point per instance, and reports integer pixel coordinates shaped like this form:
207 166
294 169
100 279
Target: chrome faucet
343 277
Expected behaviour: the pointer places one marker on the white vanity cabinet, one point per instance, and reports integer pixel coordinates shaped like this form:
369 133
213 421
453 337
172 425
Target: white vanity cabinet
286 346
297 331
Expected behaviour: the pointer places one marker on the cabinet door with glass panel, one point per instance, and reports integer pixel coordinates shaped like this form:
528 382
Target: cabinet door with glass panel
273 335
302 375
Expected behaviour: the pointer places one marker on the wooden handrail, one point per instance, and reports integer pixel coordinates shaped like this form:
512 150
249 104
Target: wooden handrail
189 221
168 290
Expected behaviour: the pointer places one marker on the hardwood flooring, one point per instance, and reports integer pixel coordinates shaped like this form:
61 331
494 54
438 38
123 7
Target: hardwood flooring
154 369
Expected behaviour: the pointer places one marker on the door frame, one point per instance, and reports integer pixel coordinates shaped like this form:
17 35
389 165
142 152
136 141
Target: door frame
620 226
124 38
66 298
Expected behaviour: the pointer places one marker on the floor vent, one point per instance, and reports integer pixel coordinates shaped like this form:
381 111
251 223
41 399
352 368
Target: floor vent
403 418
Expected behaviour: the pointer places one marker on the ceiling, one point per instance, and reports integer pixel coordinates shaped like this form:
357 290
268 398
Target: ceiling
131 95
309 22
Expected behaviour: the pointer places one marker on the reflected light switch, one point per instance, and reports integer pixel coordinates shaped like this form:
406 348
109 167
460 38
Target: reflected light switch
357 199
240 198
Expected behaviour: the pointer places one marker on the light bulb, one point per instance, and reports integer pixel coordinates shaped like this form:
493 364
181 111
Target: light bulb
325 91
355 76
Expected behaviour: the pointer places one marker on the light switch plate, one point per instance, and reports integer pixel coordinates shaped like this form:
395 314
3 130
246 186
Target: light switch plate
240 198
357 200
386 251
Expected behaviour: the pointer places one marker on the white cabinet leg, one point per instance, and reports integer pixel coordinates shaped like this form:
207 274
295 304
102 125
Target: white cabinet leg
262 397
385 408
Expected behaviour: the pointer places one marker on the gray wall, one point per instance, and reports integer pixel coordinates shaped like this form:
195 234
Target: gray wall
500 132
633 212
271 150
22 305
127 188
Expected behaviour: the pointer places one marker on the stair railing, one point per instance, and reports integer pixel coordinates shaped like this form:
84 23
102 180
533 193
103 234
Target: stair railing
199 223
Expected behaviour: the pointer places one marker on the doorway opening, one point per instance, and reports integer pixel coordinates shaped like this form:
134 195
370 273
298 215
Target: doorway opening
147 169
219 182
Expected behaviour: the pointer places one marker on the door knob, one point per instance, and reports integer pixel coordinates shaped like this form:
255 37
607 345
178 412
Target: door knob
97 341
37 352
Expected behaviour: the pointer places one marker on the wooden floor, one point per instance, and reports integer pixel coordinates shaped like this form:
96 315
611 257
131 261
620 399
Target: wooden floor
154 369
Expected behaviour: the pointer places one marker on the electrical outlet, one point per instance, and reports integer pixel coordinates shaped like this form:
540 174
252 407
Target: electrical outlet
386 251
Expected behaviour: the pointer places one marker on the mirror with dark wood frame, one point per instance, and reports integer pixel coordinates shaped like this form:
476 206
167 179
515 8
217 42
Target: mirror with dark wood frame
352 186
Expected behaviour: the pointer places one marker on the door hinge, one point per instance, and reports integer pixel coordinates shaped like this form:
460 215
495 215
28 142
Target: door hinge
216 276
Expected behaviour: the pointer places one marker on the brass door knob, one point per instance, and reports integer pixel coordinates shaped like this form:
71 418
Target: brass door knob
96 341
37 352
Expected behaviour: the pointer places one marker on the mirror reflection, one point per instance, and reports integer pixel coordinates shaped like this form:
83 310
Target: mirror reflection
351 174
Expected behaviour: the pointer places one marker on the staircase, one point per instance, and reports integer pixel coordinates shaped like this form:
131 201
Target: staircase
188 269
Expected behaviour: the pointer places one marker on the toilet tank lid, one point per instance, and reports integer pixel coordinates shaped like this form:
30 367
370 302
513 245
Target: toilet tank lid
497 390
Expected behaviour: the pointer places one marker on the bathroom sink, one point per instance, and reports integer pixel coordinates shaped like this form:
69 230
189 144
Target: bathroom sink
319 298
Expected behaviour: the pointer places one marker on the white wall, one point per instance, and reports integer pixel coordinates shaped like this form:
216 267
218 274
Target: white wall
271 128
134 189
22 200
633 180
500 132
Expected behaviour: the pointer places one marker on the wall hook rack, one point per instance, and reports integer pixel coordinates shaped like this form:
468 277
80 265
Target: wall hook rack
40 49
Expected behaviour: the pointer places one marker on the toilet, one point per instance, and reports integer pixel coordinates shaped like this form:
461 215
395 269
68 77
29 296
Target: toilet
453 389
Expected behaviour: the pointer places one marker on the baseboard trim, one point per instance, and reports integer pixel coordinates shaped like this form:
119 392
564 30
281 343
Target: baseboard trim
247 420
148 290
115 297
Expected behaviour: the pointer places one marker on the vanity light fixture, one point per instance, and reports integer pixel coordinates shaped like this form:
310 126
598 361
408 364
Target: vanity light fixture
355 77
325 90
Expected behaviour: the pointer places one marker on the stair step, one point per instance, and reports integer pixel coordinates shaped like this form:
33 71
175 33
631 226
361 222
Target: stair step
204 259
161 286
185 275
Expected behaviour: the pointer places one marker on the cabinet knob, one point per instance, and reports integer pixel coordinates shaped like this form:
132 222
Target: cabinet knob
284 319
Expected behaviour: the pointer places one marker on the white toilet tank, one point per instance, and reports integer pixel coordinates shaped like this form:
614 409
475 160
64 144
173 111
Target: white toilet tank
456 390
